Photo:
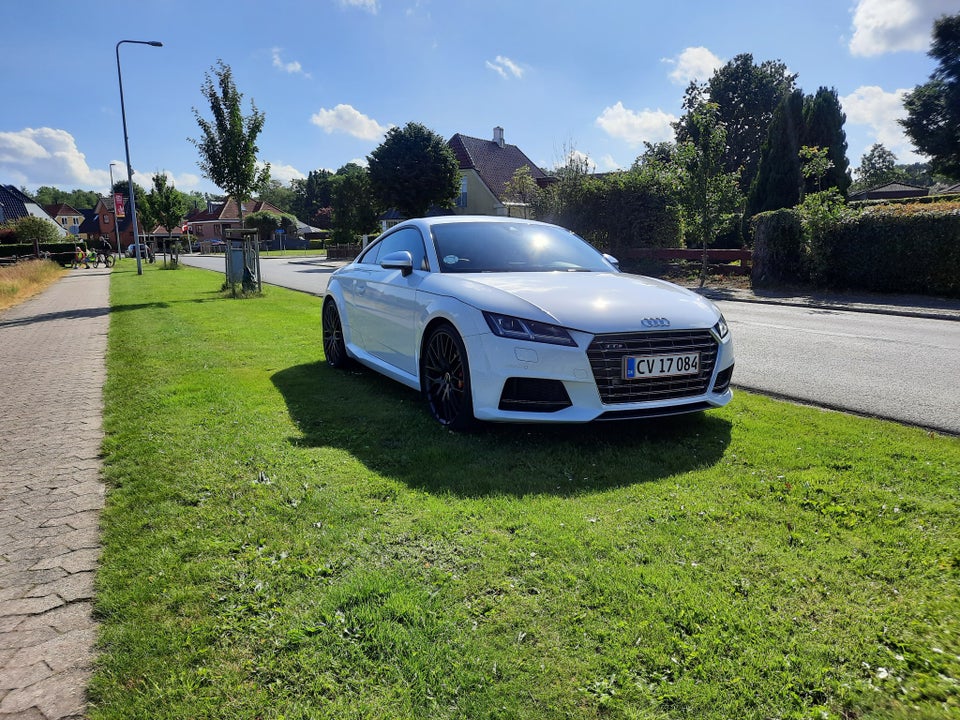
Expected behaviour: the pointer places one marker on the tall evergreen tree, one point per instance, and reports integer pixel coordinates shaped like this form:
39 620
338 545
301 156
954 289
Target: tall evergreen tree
823 121
933 109
778 181
746 96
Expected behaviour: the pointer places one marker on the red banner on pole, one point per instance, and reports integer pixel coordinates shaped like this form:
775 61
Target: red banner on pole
118 205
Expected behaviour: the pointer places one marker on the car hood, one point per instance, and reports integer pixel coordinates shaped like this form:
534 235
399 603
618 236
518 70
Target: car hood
595 302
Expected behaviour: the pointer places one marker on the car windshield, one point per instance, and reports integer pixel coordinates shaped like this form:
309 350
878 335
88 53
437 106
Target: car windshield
513 247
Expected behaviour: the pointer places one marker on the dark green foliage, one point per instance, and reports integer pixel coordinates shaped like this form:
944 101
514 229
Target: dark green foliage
414 169
896 250
77 199
933 109
823 120
614 212
780 254
29 229
354 209
747 96
311 196
911 248
778 181
269 222
282 197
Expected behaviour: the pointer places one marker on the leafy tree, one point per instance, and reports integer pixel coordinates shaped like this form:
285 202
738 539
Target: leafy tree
166 204
521 188
778 181
823 120
710 196
933 109
354 209
228 145
414 169
35 230
79 199
311 195
267 223
877 167
282 197
816 164
746 96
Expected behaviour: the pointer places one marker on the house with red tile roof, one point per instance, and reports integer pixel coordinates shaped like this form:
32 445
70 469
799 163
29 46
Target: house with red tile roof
486 166
218 217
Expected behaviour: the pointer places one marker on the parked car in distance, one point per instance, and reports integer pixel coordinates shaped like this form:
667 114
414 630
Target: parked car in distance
508 320
145 253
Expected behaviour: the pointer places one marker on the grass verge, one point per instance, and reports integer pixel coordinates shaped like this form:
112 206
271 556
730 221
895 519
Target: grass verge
287 541
25 279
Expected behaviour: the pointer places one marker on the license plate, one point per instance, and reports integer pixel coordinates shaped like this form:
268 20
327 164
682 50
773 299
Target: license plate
655 366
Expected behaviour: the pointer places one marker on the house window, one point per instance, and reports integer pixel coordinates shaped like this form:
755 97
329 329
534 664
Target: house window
462 200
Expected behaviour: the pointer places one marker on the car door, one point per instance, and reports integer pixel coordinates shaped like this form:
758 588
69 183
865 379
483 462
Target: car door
388 302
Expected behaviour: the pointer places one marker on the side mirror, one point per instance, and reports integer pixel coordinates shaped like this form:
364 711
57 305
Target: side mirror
401 260
612 260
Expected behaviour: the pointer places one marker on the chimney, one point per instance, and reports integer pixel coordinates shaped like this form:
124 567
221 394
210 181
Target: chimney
498 135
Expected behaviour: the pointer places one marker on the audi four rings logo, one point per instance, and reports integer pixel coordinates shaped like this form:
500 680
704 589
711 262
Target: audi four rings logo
655 322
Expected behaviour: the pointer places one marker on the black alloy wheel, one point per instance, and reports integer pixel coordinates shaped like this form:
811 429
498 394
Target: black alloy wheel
334 347
446 379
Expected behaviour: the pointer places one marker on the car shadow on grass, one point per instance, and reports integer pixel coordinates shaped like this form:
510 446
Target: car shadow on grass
388 428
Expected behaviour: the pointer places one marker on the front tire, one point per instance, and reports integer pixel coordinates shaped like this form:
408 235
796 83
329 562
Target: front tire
445 375
334 346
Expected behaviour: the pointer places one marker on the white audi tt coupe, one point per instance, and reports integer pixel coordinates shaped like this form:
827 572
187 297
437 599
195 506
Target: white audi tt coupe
509 320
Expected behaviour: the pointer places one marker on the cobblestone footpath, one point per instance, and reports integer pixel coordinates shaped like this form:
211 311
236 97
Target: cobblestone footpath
52 351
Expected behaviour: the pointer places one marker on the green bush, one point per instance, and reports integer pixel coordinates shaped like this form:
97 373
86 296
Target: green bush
315 244
780 252
890 248
902 249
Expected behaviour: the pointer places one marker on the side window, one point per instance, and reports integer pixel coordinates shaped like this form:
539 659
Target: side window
408 239
370 254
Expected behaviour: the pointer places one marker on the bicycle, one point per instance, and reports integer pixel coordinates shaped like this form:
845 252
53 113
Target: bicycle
104 257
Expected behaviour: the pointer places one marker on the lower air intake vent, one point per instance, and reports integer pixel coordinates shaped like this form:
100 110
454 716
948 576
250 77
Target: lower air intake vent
534 395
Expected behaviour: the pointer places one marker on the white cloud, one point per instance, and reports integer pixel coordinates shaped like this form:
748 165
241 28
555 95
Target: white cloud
879 111
608 164
505 67
884 26
371 6
284 173
293 68
349 120
636 127
47 156
693 64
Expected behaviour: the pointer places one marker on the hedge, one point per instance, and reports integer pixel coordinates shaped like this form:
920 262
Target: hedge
780 253
889 249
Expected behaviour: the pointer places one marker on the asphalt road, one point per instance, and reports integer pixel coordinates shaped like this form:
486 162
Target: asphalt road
900 368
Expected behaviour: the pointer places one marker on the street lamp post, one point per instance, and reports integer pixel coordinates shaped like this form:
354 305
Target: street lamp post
126 147
116 220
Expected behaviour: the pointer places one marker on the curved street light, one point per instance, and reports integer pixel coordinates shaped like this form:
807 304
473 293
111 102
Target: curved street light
126 147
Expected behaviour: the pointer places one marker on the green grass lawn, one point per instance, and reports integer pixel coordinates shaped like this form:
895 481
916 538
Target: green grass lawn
287 541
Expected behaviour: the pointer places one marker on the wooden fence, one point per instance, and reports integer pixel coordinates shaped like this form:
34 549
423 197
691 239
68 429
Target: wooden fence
721 261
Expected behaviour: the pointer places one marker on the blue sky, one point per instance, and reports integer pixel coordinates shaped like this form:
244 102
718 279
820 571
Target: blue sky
596 77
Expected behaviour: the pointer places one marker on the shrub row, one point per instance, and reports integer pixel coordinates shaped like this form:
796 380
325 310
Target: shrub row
902 249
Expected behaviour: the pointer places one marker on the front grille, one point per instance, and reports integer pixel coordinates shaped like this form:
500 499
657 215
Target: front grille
534 395
606 354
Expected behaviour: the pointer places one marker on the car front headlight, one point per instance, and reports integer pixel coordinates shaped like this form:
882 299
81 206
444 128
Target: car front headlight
721 328
514 328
